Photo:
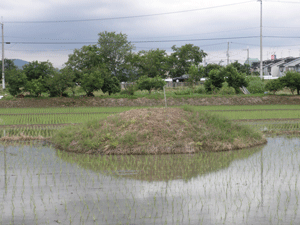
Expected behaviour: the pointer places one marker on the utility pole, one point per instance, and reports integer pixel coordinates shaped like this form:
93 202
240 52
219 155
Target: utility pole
3 81
228 54
261 48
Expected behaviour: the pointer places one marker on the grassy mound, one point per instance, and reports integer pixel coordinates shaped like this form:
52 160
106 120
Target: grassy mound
156 131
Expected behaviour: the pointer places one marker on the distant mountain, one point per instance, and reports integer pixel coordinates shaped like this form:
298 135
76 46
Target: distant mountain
19 63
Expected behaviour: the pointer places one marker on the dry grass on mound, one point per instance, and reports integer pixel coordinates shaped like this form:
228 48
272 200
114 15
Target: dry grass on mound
157 131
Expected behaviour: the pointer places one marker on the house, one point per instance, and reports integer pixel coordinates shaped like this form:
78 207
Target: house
293 65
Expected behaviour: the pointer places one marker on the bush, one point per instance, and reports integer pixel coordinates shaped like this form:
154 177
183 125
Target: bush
35 86
291 80
274 85
226 90
129 90
200 90
149 84
255 85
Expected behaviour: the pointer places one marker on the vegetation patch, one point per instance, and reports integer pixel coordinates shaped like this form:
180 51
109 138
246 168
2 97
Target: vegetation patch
156 131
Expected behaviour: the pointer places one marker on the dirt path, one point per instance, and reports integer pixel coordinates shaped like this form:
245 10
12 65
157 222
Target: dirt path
110 102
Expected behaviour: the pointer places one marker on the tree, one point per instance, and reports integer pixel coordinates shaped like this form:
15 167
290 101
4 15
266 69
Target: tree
35 70
9 67
16 81
152 63
84 60
35 86
291 80
37 73
215 81
210 67
242 68
110 84
182 58
195 73
149 84
59 82
114 49
234 78
92 82
274 85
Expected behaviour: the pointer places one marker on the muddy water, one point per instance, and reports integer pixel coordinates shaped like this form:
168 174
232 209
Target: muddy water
40 185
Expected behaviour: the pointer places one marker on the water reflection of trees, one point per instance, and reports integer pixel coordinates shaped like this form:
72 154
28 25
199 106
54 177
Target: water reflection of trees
158 167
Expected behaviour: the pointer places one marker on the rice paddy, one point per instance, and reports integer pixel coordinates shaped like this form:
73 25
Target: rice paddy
43 185
40 185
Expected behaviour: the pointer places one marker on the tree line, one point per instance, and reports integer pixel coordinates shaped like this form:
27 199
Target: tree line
101 66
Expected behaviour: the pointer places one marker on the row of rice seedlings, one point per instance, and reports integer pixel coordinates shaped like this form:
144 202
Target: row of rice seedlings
29 131
246 107
49 118
239 115
63 110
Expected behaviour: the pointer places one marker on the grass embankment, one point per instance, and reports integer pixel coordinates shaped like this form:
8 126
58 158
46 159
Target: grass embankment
156 131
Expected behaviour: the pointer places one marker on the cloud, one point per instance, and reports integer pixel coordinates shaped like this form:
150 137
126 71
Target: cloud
221 22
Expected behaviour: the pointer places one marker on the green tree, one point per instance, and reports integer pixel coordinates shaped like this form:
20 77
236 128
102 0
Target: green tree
92 82
242 68
110 84
152 63
234 78
274 85
84 60
149 84
210 67
195 74
35 70
114 49
182 58
215 81
9 68
16 82
35 86
291 80
59 82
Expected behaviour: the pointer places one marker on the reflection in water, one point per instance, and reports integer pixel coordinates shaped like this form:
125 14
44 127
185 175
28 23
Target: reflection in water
158 167
257 186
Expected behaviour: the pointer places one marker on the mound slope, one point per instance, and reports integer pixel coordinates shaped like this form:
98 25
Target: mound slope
156 131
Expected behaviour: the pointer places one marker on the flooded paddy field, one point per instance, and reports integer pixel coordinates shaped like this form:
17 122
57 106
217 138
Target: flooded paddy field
42 185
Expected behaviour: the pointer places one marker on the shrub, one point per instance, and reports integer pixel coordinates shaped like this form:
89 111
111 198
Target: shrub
274 85
292 81
200 90
149 84
226 90
255 85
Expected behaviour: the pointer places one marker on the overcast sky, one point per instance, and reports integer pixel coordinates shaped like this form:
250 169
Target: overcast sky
167 22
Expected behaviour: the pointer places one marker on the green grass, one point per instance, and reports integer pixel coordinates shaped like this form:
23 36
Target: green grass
154 131
260 114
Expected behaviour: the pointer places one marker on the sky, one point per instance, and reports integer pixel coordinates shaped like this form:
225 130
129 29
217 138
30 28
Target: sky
51 29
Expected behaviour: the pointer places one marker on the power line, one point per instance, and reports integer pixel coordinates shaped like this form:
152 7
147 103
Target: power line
131 17
178 40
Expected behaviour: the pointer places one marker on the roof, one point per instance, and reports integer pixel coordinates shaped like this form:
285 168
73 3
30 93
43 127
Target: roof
293 62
